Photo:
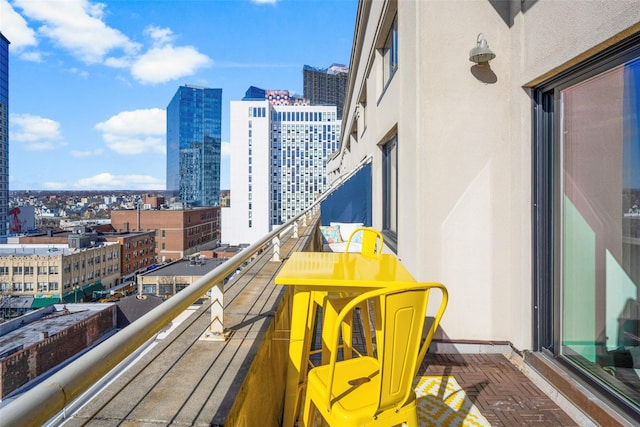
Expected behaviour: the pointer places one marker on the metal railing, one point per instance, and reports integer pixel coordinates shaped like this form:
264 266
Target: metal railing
46 399
42 402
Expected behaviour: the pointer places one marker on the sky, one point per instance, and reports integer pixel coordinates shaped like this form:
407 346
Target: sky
89 82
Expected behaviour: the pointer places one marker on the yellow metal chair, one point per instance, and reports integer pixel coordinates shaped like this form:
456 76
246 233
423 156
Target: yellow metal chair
371 242
376 390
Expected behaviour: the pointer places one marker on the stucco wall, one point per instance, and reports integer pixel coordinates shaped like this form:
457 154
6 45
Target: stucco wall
465 140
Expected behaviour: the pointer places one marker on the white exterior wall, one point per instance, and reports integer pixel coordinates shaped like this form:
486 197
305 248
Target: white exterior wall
235 219
301 175
271 168
465 140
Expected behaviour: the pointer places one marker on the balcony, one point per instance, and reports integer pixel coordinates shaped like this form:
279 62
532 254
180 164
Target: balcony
172 369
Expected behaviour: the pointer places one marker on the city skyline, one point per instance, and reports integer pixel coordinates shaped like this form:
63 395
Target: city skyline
87 107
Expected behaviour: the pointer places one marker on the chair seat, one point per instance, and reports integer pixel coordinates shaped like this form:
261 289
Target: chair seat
357 383
359 398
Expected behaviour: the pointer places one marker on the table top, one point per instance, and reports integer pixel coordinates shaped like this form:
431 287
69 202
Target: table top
339 269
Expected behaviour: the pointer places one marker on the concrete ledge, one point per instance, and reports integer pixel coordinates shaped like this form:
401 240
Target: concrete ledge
572 388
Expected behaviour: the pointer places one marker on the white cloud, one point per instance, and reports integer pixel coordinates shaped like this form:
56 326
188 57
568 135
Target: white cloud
82 73
54 185
166 63
32 56
265 1
21 37
77 26
225 150
135 132
34 132
86 153
107 181
160 36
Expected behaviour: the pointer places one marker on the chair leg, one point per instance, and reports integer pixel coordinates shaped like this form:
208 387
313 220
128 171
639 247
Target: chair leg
366 325
308 416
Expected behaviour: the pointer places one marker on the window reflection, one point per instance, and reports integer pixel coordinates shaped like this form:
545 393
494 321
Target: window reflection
601 227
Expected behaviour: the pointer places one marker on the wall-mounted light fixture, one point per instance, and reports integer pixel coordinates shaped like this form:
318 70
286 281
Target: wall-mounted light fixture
481 52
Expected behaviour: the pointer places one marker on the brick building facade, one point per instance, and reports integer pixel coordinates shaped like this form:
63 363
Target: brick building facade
26 364
178 233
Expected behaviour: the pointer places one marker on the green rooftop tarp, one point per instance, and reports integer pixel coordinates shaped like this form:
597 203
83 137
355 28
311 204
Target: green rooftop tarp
40 301
79 294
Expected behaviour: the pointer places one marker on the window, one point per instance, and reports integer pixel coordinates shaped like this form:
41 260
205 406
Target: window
17 270
390 189
4 271
390 53
42 270
28 270
587 219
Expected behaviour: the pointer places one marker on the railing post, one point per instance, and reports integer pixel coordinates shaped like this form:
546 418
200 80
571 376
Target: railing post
295 229
304 220
276 248
216 330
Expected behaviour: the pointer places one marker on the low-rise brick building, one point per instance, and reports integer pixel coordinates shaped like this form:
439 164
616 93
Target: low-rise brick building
178 233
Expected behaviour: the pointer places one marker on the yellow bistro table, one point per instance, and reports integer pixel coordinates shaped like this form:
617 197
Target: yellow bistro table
333 272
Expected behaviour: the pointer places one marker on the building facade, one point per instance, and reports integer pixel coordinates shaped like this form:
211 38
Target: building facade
326 86
4 136
177 233
172 278
137 249
58 271
194 123
515 182
278 163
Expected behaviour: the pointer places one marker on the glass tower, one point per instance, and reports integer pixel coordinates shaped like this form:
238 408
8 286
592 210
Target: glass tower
194 118
4 136
326 86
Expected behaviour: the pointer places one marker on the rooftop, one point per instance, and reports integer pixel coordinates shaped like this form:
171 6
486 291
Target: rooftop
198 267
31 329
43 249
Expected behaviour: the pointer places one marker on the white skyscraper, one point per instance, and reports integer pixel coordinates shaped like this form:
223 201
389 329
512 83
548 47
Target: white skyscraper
279 148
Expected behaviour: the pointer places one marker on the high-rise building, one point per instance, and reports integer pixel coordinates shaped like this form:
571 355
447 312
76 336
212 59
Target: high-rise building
326 86
194 122
4 135
279 147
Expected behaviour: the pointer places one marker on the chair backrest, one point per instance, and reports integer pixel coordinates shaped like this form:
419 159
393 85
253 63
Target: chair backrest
400 316
371 240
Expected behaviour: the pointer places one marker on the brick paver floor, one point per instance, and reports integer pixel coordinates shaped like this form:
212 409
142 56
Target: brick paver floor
503 394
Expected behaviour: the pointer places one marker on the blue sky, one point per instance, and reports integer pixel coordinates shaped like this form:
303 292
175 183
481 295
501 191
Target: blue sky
89 82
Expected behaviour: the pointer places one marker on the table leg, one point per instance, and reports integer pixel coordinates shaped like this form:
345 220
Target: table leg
329 316
299 342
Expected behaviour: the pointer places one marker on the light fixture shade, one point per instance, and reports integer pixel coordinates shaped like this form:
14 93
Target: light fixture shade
481 52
